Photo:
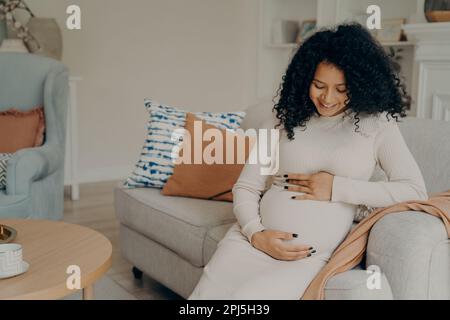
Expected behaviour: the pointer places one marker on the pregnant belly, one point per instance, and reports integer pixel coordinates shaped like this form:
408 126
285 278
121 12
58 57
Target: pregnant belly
320 224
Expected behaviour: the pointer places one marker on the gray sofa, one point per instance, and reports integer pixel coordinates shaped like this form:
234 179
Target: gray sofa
172 238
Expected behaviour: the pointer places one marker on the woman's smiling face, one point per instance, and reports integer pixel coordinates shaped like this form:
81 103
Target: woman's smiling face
328 90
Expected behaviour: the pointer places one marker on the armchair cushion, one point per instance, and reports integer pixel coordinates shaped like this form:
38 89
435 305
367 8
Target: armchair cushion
21 129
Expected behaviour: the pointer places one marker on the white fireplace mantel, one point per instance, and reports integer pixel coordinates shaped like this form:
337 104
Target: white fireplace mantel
432 56
428 32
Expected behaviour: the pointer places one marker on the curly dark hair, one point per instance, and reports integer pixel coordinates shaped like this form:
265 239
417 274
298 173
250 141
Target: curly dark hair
372 84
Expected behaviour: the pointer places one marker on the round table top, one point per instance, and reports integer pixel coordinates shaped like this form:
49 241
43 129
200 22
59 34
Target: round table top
50 247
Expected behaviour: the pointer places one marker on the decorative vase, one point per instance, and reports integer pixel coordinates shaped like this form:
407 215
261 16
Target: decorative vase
2 30
48 36
437 10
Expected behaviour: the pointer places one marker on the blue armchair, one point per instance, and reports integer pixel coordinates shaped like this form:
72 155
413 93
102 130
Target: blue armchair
35 176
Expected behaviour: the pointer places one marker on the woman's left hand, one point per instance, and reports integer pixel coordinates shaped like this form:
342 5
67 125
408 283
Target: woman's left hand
317 186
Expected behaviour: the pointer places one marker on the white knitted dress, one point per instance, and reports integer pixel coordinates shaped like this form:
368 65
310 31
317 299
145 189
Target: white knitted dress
239 271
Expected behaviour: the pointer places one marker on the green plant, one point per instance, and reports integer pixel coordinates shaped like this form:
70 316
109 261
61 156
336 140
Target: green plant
7 8
395 54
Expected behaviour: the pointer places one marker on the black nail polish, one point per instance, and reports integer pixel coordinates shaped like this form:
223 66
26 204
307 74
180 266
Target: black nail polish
286 187
293 197
310 248
285 176
309 254
295 235
314 251
287 180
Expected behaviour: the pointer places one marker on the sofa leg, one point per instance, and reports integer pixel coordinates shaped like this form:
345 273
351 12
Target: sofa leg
137 273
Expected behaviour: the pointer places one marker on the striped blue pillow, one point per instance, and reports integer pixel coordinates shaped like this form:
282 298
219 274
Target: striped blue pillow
155 165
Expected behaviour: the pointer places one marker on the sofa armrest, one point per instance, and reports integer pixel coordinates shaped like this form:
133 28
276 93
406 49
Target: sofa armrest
405 246
355 285
32 164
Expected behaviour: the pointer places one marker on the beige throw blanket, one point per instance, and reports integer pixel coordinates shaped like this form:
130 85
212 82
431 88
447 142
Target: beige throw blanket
351 251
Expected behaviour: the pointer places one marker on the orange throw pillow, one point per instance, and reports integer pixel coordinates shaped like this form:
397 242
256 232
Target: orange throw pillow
207 181
21 129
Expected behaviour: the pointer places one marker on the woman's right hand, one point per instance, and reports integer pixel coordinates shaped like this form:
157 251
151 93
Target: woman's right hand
273 243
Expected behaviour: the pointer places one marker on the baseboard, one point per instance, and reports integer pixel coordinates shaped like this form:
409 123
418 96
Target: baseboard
104 174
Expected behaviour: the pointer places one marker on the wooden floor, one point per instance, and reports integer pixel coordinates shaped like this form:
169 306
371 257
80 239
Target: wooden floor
95 210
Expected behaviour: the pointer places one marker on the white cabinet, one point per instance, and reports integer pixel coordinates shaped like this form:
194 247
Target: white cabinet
273 58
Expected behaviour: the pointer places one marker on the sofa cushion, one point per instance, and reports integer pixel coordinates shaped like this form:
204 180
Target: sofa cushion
180 224
156 161
213 237
203 179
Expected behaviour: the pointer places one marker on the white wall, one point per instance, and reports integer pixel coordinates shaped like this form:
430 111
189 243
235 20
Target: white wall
197 54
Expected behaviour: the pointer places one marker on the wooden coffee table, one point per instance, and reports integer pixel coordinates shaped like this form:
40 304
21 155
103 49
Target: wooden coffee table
50 247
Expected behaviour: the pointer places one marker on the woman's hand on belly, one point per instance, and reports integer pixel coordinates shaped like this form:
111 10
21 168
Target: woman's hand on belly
273 243
317 186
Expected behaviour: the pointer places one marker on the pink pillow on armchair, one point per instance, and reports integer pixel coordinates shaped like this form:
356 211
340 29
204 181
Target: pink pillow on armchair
21 129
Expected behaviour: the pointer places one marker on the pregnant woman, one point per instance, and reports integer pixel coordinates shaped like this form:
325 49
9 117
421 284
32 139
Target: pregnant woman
337 113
